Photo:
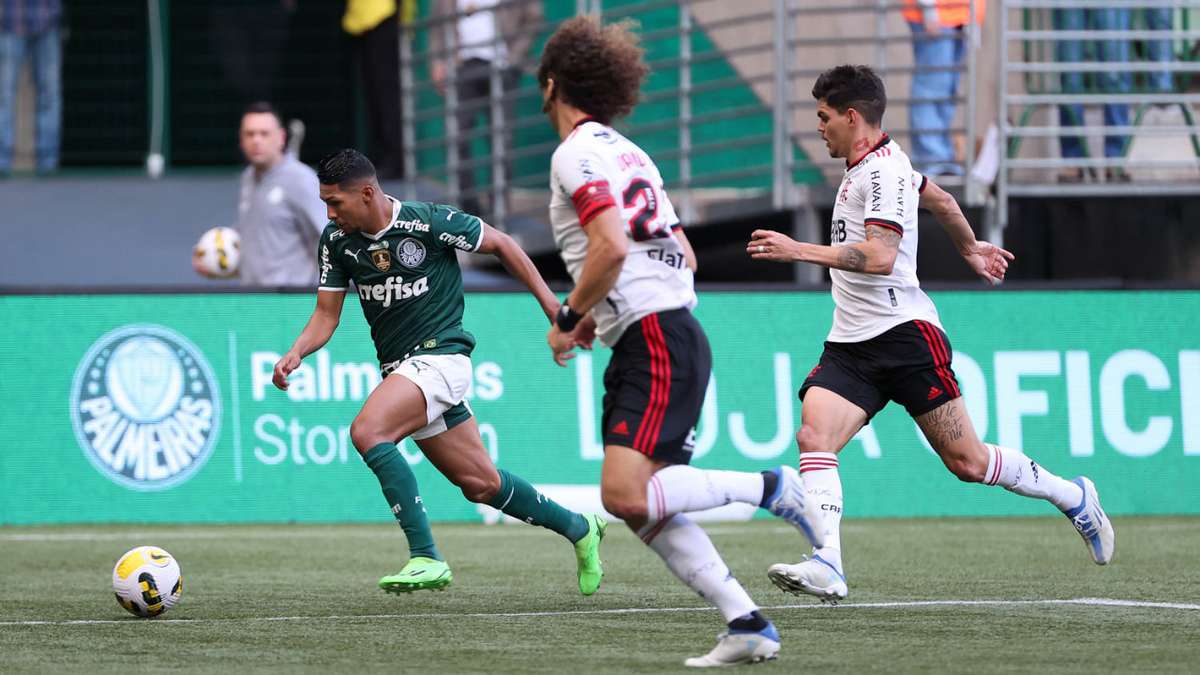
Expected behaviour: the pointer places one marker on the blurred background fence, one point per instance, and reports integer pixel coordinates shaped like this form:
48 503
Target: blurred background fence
726 113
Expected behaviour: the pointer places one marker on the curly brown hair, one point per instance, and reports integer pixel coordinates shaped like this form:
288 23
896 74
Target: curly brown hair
598 69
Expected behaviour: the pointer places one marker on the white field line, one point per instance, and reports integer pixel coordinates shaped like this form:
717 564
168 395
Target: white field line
253 531
1094 602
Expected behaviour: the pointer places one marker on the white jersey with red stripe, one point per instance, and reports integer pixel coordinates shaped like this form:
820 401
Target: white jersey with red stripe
596 168
879 189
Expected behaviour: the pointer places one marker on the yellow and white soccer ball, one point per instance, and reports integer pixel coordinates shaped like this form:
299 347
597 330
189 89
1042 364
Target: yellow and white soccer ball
219 251
147 581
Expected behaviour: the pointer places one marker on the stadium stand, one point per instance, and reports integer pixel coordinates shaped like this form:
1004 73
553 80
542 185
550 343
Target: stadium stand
726 112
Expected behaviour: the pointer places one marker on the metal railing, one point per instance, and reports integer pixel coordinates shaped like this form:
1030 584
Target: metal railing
726 111
1045 70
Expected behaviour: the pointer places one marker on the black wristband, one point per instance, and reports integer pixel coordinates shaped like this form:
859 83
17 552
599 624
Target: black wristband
567 318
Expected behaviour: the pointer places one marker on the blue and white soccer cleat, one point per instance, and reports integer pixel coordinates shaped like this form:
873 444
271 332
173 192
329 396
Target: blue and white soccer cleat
1092 523
788 503
736 647
813 576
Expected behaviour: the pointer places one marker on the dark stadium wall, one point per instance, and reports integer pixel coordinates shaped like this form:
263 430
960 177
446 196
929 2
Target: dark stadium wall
1119 238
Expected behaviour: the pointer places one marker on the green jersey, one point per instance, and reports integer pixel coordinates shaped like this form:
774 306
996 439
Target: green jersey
407 277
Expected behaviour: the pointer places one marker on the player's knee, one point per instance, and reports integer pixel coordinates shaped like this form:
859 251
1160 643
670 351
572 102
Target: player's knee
810 440
967 468
365 435
625 507
479 488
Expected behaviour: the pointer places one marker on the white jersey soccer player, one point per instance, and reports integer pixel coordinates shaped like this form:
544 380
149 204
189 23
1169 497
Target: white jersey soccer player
886 343
619 237
592 163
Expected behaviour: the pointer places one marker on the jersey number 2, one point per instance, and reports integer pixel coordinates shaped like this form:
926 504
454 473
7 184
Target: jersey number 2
640 190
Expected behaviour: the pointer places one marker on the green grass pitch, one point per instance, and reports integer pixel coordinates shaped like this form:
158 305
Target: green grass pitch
303 598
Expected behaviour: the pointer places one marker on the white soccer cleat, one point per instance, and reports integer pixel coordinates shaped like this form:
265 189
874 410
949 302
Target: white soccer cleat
788 503
1092 523
735 648
814 577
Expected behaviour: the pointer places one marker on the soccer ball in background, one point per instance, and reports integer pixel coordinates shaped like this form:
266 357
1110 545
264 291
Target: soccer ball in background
218 252
147 581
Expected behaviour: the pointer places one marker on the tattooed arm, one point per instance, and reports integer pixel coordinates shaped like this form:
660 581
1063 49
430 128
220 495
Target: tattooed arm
987 260
876 255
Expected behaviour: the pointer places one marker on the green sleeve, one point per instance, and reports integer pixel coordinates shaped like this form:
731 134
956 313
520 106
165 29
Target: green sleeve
333 275
456 229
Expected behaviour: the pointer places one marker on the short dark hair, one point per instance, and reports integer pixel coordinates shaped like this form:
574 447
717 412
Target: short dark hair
598 69
858 87
344 166
260 107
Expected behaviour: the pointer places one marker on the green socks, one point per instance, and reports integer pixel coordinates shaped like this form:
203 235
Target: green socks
518 499
400 489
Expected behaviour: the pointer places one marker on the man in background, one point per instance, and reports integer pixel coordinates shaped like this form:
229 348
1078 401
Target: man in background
280 213
480 35
29 30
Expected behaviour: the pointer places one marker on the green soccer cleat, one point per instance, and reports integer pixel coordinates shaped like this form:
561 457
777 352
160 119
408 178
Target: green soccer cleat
419 574
587 555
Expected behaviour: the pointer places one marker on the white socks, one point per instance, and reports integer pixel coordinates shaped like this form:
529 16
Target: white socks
683 489
819 475
690 554
1008 468
683 545
1013 471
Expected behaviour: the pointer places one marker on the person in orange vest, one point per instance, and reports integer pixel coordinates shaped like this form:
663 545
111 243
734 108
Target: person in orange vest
939 39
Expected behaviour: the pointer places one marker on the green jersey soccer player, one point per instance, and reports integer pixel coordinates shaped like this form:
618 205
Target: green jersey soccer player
402 258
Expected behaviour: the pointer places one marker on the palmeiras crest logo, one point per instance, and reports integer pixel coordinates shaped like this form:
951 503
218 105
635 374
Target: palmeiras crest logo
145 407
410 252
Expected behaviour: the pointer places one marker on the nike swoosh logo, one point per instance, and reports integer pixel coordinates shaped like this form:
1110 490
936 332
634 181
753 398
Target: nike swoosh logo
155 556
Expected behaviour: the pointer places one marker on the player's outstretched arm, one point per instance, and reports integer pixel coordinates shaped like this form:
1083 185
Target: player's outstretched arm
876 255
316 333
519 266
987 260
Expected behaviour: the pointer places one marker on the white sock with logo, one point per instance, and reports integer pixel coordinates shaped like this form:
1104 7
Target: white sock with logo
819 475
1014 471
690 554
683 489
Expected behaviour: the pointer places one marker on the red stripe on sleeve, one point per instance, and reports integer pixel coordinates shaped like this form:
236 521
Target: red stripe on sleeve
590 199
895 227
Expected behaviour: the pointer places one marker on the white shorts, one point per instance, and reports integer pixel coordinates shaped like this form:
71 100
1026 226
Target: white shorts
444 380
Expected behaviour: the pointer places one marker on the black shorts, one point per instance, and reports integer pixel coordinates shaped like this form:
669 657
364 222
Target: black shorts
655 384
909 364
